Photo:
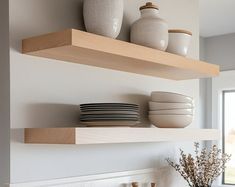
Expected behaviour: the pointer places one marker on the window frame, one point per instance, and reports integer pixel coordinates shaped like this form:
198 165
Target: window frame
215 87
223 129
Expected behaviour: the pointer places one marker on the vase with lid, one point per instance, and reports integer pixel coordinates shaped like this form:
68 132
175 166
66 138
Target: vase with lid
103 17
150 30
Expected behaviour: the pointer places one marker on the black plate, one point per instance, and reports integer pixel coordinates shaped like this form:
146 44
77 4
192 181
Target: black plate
109 104
109 115
111 109
94 120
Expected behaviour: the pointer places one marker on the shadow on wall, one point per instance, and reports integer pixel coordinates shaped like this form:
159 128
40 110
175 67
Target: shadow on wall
67 14
39 115
125 30
44 115
51 115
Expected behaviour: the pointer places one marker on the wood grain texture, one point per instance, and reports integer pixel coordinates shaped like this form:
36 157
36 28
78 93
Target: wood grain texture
116 135
180 31
94 50
50 135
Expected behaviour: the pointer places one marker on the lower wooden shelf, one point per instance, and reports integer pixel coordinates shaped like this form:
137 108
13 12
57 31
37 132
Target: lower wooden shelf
83 136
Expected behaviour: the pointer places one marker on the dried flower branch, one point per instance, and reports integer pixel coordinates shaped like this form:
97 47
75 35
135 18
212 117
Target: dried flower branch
203 169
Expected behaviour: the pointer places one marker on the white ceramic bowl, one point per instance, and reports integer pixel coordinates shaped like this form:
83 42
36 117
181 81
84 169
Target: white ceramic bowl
172 111
167 106
170 97
171 121
179 41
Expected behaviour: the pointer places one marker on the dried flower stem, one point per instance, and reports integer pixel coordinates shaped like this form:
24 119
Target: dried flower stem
203 169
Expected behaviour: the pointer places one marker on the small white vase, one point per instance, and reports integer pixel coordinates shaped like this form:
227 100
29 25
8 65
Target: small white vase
103 17
150 30
179 42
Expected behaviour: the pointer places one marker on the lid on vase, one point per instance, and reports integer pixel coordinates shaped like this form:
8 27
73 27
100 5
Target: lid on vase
180 31
149 5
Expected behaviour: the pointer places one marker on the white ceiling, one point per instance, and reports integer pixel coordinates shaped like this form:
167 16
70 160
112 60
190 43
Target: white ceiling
217 17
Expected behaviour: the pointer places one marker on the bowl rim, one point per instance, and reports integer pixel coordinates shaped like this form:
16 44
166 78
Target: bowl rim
171 115
189 110
173 109
169 109
173 93
186 103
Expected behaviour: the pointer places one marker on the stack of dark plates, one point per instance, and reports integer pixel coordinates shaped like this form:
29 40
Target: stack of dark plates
109 114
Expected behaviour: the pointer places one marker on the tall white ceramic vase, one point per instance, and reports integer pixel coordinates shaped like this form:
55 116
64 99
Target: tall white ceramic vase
103 17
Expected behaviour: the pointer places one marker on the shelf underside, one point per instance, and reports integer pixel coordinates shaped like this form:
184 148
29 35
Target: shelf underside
90 49
115 135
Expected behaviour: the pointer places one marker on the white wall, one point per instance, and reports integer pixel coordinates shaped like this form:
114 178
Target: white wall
220 50
45 93
4 94
224 82
205 90
202 48
216 50
203 85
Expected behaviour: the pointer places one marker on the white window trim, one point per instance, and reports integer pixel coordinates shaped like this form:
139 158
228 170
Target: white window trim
226 81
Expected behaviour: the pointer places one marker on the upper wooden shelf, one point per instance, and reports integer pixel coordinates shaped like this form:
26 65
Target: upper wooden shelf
90 49
115 135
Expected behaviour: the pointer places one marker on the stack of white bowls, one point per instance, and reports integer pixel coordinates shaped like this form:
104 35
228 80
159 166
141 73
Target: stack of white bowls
170 110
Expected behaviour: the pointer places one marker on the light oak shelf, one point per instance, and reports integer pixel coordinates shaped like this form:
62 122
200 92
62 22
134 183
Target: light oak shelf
82 136
90 49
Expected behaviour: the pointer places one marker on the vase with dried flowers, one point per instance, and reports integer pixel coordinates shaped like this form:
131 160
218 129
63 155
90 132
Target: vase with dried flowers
202 169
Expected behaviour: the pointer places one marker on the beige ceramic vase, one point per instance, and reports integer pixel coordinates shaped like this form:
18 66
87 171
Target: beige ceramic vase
150 30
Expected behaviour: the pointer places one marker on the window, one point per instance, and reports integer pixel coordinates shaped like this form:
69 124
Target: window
228 119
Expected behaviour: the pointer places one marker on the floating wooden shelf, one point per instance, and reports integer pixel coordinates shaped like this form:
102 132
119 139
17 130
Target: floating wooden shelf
90 49
115 135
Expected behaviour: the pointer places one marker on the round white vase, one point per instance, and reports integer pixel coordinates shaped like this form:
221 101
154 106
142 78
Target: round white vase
179 42
103 17
150 30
